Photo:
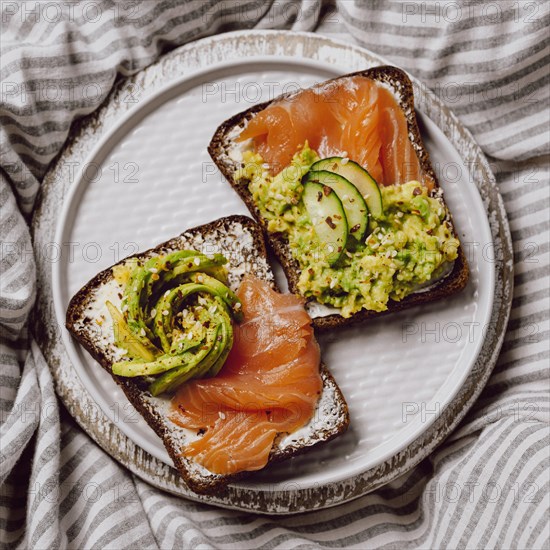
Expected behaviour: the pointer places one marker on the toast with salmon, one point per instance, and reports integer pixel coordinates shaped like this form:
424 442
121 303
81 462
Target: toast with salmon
340 181
179 419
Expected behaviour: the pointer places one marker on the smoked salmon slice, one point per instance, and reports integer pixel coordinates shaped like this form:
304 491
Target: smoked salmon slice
269 384
354 117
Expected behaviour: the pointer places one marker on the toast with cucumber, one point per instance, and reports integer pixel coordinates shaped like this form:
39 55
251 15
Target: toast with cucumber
224 368
339 179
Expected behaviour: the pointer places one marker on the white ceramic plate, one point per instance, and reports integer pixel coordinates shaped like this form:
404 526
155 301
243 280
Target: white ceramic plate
151 178
409 378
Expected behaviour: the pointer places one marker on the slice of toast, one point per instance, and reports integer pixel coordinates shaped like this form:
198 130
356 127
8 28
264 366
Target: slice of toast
221 150
240 240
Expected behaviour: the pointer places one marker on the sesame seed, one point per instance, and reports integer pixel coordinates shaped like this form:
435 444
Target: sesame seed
279 197
165 312
200 278
197 261
345 160
153 312
190 336
153 270
221 415
142 332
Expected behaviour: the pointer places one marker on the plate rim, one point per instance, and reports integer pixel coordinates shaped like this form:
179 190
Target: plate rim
173 84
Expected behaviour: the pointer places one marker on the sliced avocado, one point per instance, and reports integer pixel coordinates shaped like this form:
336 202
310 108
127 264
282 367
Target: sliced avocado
174 268
182 342
154 293
328 218
158 271
200 263
213 353
221 290
161 364
354 205
226 341
136 346
170 380
169 303
355 173
222 346
142 279
203 371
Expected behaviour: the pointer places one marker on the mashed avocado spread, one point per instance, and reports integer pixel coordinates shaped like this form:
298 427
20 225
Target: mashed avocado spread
408 246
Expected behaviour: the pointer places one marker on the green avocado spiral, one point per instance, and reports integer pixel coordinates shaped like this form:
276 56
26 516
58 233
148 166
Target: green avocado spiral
177 317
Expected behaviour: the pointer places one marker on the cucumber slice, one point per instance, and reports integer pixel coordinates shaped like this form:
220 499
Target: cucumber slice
354 205
359 177
328 218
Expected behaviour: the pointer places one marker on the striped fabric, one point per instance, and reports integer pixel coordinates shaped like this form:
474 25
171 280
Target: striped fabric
488 485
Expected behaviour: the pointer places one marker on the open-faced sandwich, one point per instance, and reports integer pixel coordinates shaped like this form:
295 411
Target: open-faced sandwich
339 179
223 367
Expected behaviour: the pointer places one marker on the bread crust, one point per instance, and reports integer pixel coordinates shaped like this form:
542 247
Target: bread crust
143 401
402 89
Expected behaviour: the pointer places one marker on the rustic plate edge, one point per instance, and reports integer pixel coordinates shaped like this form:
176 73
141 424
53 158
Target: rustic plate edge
107 435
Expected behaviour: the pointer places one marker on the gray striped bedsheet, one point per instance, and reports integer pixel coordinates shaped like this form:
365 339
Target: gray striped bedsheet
487 486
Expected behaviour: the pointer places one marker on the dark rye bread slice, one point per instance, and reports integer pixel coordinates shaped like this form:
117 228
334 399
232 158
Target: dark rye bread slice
222 145
240 239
